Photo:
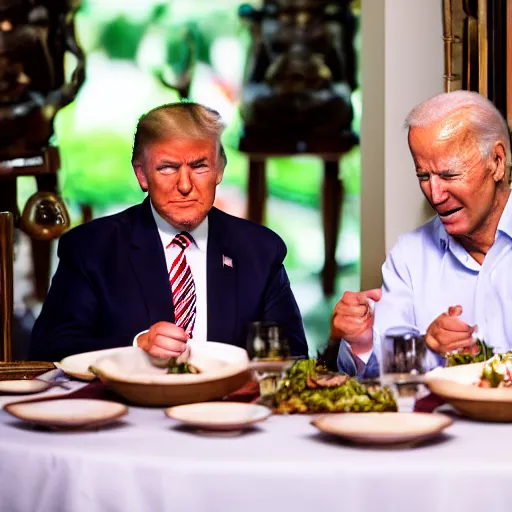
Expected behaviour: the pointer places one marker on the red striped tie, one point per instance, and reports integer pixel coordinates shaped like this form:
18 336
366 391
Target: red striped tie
182 285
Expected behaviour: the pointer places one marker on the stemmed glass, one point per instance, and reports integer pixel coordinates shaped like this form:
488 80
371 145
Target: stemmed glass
269 352
404 361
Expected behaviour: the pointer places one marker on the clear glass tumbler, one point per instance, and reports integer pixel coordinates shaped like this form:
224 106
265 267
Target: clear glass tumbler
269 351
403 363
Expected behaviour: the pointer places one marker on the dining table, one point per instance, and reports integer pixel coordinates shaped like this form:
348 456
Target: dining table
146 461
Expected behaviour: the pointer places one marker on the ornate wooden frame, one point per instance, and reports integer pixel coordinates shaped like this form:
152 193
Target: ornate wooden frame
478 49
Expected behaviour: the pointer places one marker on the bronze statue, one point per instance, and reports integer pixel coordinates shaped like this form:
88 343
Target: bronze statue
35 35
301 70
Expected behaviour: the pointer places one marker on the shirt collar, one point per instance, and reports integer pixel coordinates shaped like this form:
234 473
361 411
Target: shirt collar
167 231
444 237
504 226
505 223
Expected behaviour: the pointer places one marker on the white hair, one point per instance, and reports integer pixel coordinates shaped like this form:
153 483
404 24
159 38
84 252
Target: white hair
485 120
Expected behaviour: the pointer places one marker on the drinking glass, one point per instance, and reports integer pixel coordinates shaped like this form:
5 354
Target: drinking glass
404 361
269 351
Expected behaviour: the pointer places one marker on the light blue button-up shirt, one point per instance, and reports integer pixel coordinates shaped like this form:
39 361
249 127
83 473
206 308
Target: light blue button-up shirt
427 271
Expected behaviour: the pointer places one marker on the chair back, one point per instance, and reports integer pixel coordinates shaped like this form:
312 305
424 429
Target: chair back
6 284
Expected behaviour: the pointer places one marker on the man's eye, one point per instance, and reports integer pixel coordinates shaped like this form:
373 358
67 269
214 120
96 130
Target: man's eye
423 177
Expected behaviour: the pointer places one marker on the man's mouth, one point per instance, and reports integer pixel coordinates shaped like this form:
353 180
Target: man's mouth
447 213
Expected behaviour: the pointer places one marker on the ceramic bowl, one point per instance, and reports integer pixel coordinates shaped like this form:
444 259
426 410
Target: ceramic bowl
456 386
131 373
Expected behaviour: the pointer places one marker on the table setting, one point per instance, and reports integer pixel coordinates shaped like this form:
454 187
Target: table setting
109 430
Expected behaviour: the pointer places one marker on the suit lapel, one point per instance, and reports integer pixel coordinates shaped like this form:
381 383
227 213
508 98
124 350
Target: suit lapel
222 289
148 261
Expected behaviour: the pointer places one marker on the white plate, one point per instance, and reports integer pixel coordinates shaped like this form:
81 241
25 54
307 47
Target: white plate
77 366
219 415
67 413
23 386
383 427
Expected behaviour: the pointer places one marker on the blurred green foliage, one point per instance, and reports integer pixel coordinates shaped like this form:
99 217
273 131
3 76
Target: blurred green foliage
96 166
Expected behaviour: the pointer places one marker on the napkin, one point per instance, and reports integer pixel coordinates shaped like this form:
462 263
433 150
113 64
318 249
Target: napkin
428 403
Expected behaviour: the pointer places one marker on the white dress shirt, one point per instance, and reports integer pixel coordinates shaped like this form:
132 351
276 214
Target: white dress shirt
428 271
196 258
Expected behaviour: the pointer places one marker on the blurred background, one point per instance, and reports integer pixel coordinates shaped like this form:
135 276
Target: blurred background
132 50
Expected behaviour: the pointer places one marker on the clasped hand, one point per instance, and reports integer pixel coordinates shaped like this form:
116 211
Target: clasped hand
448 333
353 317
165 340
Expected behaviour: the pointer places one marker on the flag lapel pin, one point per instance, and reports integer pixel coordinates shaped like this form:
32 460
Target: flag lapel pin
227 261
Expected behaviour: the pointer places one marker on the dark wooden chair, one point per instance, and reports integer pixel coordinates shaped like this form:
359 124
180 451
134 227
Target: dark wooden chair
330 150
11 369
44 169
6 283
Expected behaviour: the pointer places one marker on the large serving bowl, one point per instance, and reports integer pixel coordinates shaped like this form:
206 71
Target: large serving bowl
456 385
131 373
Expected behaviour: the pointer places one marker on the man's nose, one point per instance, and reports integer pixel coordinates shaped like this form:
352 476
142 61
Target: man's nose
437 189
184 182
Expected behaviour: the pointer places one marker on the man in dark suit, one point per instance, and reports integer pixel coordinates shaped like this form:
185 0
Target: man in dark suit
173 267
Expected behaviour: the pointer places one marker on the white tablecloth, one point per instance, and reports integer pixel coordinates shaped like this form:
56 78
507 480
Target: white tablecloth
148 462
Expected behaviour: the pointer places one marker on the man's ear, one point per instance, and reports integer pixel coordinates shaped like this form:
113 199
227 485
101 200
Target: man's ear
141 176
221 163
220 175
499 162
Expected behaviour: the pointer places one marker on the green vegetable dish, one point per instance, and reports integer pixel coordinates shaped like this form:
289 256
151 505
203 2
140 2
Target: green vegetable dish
497 372
309 388
178 368
484 354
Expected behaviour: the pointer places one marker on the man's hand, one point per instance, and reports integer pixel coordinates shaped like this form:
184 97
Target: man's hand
165 340
352 319
448 333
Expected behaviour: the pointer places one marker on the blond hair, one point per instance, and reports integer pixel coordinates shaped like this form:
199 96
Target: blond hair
178 120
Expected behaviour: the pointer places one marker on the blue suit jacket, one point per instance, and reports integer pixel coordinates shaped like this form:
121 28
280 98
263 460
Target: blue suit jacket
112 283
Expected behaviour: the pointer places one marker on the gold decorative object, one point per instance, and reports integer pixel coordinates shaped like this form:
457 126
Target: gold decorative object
45 217
477 38
23 369
465 36
449 41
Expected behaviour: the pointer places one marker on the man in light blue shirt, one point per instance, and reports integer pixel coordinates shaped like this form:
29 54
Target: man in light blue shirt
451 278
